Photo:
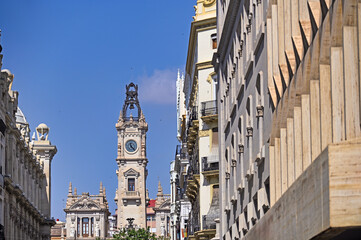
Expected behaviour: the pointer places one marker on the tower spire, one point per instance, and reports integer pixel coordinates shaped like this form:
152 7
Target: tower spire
70 189
160 189
101 188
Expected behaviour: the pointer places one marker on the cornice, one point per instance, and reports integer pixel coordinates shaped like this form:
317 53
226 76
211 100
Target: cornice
197 26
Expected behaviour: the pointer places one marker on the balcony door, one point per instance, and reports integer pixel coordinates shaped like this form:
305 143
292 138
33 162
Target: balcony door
85 227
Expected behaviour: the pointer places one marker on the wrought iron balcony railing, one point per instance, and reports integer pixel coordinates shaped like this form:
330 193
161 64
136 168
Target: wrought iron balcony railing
209 108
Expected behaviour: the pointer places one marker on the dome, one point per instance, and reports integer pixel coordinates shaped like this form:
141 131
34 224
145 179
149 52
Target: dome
20 117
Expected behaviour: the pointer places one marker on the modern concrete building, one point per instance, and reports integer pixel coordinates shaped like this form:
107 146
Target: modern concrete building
245 114
86 215
25 170
289 79
132 162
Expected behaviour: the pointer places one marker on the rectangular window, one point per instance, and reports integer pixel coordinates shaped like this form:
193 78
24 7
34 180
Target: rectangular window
214 40
131 184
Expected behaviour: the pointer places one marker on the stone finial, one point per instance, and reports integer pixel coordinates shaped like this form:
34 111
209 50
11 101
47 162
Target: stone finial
104 191
75 193
42 132
101 188
70 189
147 194
160 189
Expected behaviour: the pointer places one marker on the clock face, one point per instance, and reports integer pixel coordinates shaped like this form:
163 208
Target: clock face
131 146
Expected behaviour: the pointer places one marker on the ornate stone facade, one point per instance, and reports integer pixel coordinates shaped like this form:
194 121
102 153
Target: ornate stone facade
162 213
132 162
87 215
25 170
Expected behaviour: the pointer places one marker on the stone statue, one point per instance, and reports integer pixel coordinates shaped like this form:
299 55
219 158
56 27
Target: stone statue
72 230
97 230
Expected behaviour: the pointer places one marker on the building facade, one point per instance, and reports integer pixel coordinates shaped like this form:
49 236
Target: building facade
58 231
151 221
245 115
162 213
25 170
289 106
198 130
132 162
180 205
87 215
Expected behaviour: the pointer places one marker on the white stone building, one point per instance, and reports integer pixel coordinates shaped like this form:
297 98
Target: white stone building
86 215
245 115
25 170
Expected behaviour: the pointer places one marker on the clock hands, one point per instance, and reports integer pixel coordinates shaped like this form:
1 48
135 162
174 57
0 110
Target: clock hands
131 145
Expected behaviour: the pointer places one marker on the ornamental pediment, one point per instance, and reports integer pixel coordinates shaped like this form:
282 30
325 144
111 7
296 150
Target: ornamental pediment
165 204
131 172
85 204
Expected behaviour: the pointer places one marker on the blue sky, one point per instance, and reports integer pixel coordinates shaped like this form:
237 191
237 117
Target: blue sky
72 60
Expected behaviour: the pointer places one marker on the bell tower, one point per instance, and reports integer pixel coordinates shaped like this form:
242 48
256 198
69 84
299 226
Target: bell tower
132 162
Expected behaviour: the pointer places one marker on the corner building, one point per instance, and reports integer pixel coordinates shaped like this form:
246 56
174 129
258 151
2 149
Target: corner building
132 162
245 115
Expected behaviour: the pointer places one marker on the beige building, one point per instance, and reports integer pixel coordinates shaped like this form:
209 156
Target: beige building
58 231
25 170
132 162
198 130
309 111
87 215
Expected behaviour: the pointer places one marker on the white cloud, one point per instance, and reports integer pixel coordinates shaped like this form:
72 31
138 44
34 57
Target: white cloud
159 88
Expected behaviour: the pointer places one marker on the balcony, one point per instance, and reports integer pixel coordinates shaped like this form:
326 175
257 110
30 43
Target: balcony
209 111
209 108
210 166
131 195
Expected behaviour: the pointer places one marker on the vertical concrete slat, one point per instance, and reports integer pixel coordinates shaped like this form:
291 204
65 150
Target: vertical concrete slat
284 165
278 169
337 94
315 118
351 78
306 130
325 106
271 86
272 183
275 46
281 42
290 152
297 123
359 53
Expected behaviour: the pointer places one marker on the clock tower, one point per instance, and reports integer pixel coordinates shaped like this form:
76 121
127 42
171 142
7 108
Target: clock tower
132 162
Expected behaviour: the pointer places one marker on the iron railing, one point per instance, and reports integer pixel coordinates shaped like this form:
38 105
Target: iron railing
209 108
209 166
